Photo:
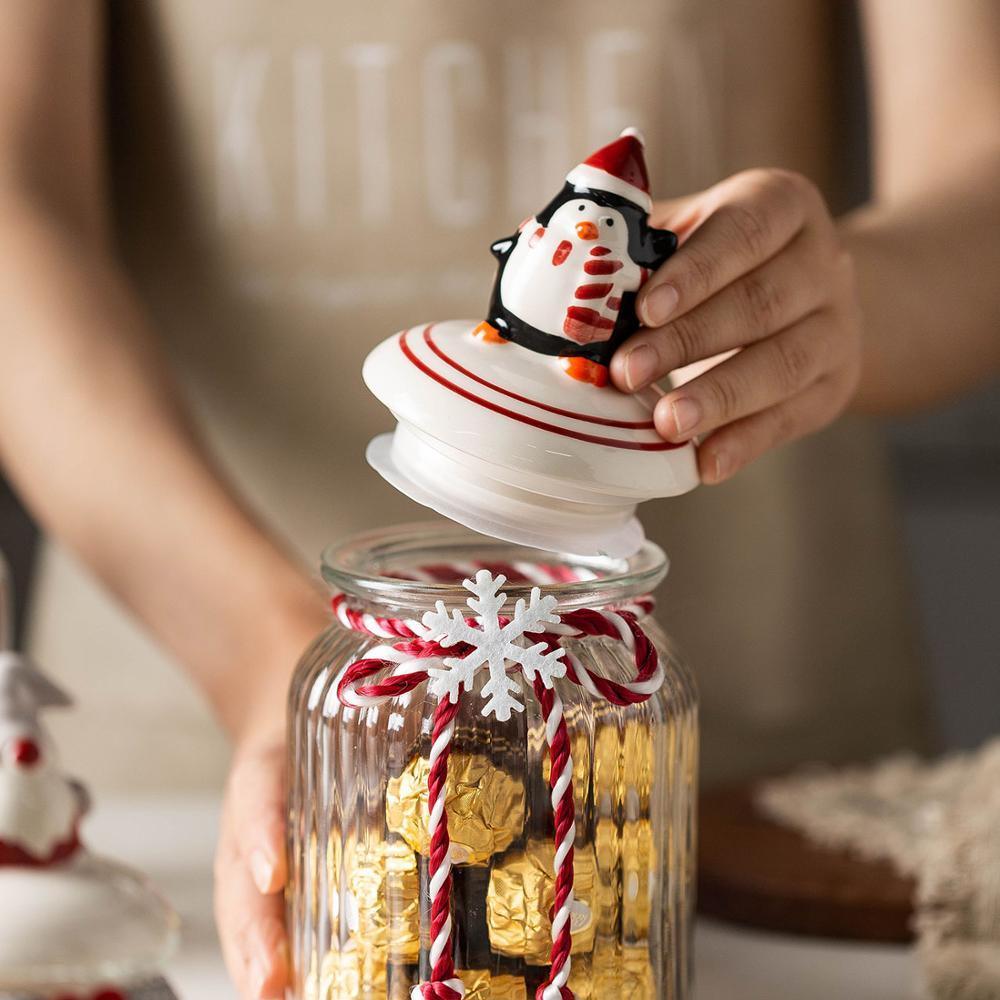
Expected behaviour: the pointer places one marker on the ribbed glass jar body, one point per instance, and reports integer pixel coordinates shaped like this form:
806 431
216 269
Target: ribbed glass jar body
358 901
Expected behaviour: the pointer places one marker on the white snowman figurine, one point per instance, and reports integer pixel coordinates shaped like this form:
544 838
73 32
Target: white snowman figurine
73 926
567 279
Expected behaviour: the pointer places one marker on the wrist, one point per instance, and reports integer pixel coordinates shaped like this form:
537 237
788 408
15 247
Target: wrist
250 698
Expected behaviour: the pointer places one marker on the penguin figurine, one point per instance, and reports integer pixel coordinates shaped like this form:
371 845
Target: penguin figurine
567 279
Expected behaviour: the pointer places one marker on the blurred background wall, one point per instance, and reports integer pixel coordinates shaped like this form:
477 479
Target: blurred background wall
948 469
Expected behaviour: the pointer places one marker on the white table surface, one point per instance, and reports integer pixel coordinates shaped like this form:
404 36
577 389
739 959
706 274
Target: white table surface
172 839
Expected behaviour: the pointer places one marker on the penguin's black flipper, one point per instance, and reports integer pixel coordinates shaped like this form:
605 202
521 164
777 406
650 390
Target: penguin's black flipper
500 248
653 247
664 243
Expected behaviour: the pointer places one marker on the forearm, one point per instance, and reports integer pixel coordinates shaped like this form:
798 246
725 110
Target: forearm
927 267
926 250
95 438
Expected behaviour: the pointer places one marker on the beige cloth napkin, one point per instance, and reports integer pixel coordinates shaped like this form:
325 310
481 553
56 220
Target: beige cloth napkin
940 824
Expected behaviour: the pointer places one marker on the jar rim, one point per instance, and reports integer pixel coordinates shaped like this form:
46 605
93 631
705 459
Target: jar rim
369 566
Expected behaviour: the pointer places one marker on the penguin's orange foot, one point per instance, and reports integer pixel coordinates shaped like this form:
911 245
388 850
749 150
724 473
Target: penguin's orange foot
585 370
488 334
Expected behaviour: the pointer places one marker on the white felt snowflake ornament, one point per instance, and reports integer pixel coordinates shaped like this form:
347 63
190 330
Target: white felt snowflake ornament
494 645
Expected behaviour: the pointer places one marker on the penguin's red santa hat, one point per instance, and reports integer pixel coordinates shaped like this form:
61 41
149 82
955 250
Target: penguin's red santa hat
618 168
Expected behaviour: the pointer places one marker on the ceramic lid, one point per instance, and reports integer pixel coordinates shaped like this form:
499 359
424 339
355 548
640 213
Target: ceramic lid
509 424
501 441
82 922
67 917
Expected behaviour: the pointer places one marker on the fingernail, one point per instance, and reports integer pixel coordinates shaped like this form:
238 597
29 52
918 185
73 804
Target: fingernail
640 367
686 413
658 305
720 467
262 869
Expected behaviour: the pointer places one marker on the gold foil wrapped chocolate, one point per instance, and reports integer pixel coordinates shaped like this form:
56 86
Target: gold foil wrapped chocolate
585 977
351 975
480 985
384 907
521 896
637 979
607 776
402 898
476 982
508 988
611 971
638 767
637 858
607 784
638 879
485 807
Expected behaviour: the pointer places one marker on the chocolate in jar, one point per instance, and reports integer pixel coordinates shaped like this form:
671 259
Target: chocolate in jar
611 971
485 807
350 975
638 879
521 896
608 792
637 978
383 906
480 984
607 850
638 765
402 901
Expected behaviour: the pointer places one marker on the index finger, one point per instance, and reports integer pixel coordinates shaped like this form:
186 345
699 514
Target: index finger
256 802
251 927
750 218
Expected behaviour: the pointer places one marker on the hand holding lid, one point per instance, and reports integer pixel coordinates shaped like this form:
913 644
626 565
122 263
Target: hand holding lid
509 425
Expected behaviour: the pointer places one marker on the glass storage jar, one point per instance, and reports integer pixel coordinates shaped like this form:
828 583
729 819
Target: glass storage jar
360 888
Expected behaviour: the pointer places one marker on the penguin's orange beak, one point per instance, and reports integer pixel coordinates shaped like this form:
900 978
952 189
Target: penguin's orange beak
586 231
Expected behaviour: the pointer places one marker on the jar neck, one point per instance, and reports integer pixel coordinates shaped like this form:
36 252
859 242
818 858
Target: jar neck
409 568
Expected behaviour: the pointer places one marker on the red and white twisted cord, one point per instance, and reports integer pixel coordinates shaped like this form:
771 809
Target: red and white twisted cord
403 658
622 624
407 675
444 984
564 815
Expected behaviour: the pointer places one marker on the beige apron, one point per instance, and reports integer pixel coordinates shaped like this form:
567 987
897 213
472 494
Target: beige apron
295 181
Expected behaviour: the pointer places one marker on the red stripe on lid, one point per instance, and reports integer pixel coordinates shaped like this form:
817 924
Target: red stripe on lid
522 417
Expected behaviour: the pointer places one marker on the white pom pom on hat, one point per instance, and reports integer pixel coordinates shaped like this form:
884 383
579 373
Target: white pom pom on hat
618 168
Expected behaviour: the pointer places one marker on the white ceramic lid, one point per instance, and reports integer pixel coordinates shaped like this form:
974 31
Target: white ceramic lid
67 918
498 438
80 922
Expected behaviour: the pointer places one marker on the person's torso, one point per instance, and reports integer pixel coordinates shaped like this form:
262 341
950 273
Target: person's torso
294 182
